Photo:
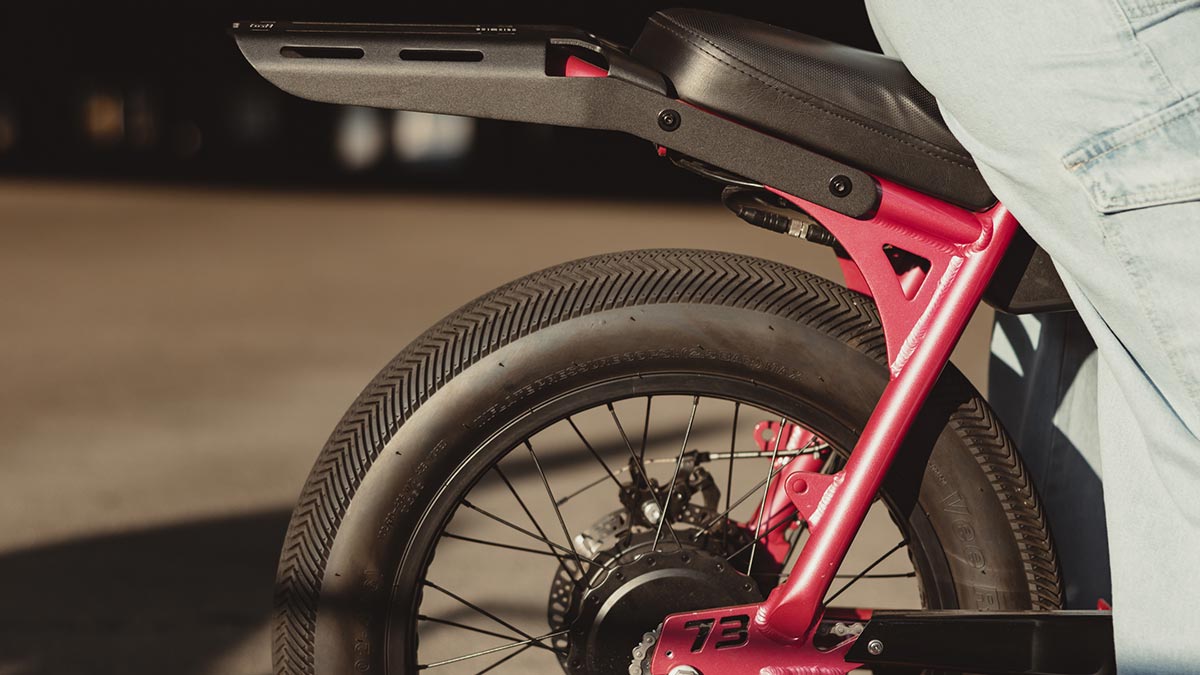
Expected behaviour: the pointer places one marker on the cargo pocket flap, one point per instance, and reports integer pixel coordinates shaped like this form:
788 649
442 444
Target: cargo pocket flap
1151 162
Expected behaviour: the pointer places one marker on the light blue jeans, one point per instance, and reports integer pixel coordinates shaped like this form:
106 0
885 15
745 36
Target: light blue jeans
1084 117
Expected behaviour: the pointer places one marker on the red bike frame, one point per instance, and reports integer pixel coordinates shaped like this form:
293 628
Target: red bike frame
923 308
923 316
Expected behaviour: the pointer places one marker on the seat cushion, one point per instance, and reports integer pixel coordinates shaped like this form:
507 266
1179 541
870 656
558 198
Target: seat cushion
859 107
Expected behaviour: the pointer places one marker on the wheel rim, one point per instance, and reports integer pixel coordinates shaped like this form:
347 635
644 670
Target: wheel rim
466 620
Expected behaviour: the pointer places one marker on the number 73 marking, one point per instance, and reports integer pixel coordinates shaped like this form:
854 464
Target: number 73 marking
731 631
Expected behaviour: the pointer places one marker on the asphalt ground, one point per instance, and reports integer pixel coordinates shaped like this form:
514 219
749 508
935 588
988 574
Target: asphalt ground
172 359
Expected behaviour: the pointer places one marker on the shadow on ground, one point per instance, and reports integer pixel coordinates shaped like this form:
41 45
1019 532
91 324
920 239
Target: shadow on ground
180 599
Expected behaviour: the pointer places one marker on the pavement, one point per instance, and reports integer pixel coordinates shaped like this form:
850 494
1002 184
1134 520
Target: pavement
171 360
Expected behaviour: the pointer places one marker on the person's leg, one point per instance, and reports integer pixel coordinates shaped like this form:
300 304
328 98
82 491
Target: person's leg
1084 117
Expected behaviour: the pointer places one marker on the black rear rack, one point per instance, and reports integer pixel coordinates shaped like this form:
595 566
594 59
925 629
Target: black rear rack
517 73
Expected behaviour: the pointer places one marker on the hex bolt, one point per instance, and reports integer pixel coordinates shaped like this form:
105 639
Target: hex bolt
875 647
651 510
669 120
840 186
684 670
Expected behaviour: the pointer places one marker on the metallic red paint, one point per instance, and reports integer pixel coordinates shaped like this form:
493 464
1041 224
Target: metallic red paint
921 325
577 67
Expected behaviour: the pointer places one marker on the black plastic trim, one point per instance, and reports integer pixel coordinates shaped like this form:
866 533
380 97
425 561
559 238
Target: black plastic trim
996 643
1026 281
510 82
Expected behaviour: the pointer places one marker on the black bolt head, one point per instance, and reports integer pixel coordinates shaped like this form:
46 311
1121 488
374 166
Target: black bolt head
669 120
840 186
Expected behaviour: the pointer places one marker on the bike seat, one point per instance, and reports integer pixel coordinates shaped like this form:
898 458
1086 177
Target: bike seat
859 107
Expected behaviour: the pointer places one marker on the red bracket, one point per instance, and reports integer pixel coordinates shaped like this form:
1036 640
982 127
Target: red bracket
812 492
940 233
727 641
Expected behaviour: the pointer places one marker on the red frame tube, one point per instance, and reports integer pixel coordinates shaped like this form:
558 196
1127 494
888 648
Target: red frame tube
922 321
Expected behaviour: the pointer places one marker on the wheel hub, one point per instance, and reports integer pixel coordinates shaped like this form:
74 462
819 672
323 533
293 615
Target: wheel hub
634 597
644 571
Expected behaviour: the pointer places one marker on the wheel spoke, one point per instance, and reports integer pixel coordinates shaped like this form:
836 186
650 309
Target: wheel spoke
671 486
863 573
533 520
598 459
762 508
645 429
638 463
511 547
738 502
523 531
554 503
470 605
493 650
585 488
771 529
737 406
502 661
897 575
455 624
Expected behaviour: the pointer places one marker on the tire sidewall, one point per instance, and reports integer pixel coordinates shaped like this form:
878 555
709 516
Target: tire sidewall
376 561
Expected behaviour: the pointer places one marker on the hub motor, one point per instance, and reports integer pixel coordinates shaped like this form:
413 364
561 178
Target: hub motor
631 598
696 560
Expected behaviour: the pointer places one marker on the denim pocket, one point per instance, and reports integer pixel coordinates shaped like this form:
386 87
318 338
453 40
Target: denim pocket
1139 9
1153 161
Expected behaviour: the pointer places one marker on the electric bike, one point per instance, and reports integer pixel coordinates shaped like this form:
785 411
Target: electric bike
658 461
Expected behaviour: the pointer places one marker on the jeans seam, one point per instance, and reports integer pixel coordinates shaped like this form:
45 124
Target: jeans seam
1146 197
1147 53
1143 8
1132 272
1183 112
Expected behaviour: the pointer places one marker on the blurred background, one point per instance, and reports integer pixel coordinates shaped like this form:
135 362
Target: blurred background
198 273
134 90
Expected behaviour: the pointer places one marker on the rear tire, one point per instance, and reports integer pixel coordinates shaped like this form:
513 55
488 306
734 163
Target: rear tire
395 467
